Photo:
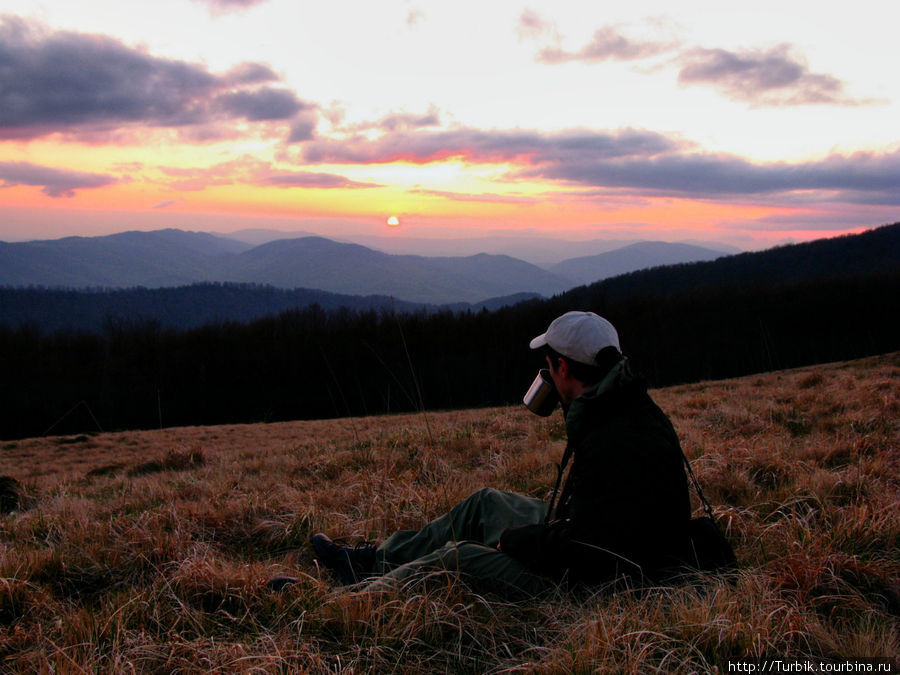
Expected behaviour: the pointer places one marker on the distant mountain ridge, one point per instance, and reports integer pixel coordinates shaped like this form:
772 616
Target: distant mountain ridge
871 253
167 258
159 258
351 269
642 255
541 251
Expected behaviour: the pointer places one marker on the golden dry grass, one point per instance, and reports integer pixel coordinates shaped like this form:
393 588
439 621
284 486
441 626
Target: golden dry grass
149 551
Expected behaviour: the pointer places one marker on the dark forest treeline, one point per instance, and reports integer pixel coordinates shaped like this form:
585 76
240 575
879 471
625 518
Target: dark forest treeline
681 323
91 310
52 310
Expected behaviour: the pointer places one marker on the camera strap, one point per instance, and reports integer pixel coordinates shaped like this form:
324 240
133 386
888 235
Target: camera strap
567 455
706 507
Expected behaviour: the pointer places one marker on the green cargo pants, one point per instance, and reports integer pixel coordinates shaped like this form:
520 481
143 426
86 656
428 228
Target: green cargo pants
465 541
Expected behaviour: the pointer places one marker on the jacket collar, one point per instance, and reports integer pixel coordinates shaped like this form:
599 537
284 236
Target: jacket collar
619 376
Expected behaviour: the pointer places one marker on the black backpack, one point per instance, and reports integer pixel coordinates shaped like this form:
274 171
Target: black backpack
708 549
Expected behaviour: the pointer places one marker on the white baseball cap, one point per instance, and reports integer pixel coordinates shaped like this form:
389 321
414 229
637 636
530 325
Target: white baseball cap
579 335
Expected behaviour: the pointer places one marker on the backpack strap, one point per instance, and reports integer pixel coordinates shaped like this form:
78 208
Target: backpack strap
710 548
706 507
567 455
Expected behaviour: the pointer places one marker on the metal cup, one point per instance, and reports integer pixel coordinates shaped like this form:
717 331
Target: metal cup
542 396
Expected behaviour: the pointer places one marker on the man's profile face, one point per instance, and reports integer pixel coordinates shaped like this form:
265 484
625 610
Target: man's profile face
559 372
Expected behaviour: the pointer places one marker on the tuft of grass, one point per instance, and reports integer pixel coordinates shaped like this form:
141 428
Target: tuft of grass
173 460
12 494
73 440
104 470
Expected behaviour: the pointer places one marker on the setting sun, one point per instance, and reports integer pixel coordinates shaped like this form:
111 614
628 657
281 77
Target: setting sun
393 221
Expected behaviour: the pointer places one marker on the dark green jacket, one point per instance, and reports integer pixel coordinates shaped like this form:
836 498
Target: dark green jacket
625 504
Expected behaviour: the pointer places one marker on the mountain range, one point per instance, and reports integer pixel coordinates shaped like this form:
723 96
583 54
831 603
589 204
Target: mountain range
542 251
166 258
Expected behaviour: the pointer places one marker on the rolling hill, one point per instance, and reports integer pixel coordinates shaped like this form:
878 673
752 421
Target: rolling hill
870 253
160 258
315 262
642 255
543 251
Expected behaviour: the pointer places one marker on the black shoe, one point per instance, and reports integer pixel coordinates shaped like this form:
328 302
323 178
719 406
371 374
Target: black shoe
350 564
280 583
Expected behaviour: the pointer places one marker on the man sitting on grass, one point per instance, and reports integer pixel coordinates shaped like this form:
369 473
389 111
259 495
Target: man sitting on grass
623 510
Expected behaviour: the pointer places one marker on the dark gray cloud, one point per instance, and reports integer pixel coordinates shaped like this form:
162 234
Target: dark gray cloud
887 198
261 104
53 182
763 77
863 176
630 162
608 44
250 73
817 220
396 121
65 82
250 171
487 146
304 179
58 81
772 77
303 127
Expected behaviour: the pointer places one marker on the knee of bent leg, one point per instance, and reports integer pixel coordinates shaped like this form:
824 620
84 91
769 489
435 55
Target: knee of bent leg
486 494
477 498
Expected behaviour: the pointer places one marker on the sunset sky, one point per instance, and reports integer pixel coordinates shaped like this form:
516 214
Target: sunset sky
750 124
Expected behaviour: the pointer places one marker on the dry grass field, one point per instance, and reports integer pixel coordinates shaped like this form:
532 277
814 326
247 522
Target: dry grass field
149 551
